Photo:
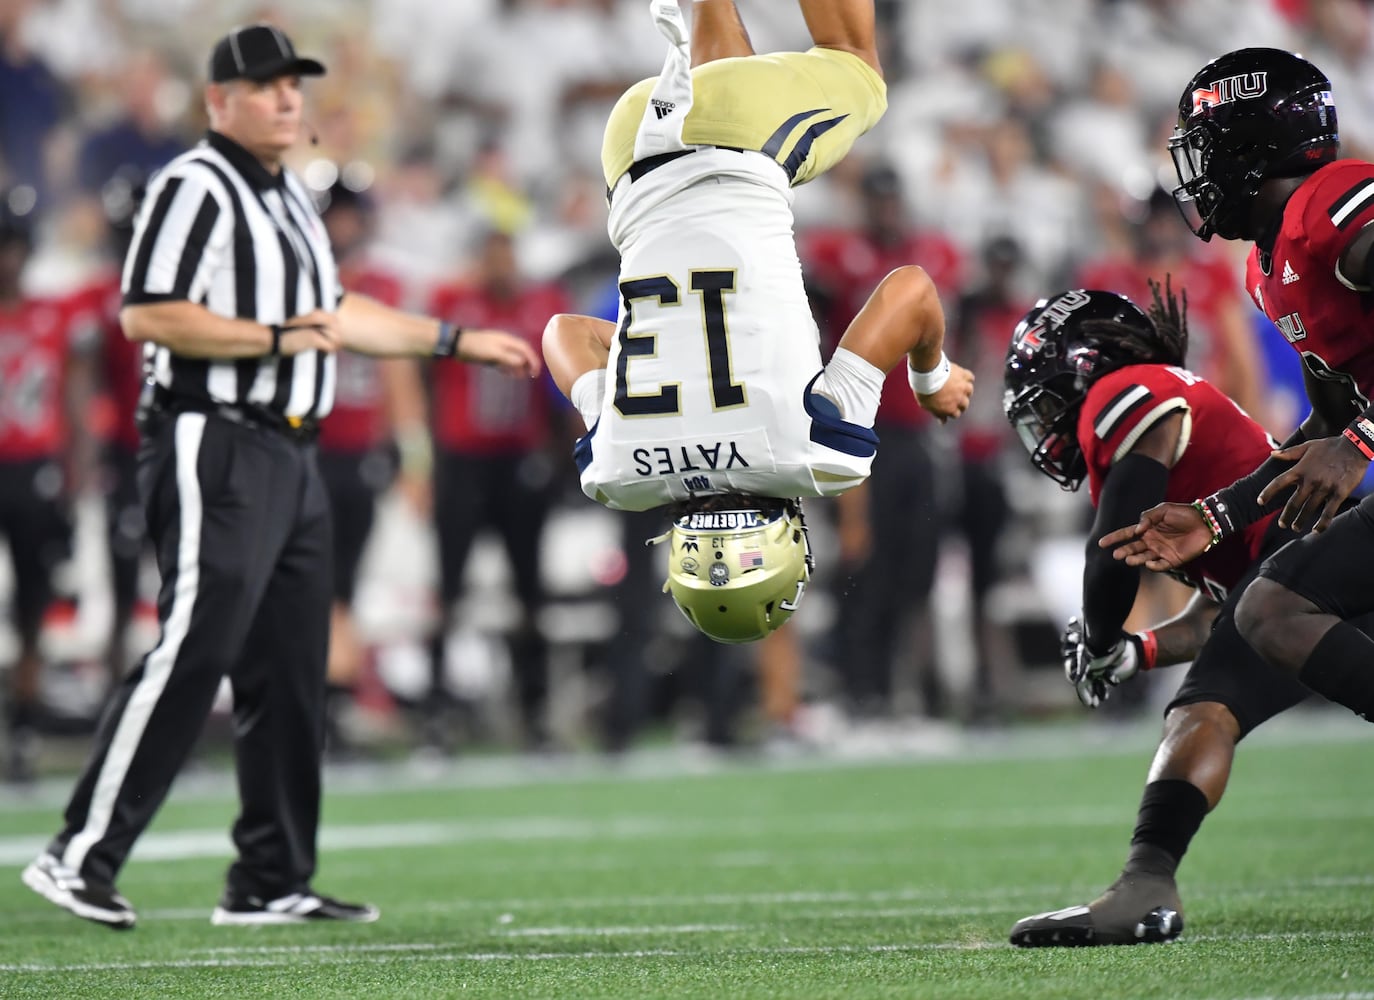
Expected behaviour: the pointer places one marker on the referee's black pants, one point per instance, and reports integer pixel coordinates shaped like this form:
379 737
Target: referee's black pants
241 525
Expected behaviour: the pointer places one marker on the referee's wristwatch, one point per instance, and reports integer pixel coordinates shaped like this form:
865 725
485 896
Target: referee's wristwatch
446 346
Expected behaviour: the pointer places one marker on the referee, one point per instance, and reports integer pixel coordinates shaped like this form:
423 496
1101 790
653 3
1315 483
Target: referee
230 285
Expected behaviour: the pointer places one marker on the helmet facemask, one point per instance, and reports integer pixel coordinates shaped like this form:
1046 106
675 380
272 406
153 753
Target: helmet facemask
1216 186
739 573
1045 418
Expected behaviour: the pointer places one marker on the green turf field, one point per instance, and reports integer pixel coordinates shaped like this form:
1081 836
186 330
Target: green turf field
896 878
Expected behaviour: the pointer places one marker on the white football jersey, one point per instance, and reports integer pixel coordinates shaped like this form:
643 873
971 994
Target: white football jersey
707 387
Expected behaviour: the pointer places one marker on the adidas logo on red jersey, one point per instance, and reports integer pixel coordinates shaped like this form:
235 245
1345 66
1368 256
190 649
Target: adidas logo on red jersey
1289 275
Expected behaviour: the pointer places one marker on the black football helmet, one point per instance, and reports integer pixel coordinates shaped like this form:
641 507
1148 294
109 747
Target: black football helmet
1055 357
1248 116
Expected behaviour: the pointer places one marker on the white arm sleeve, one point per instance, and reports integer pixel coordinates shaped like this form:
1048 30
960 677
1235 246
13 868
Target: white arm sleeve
854 385
588 392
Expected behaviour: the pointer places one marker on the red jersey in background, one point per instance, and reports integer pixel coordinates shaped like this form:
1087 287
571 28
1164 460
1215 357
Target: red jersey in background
847 266
94 313
357 423
480 410
35 346
1208 278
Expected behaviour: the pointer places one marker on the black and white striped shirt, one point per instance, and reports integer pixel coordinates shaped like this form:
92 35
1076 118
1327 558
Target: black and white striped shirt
218 229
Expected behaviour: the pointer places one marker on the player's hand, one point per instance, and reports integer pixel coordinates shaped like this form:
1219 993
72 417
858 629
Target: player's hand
953 398
315 331
1092 676
512 354
1166 536
1328 470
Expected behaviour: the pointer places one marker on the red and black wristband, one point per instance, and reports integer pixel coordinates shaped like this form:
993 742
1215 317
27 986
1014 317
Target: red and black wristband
1360 433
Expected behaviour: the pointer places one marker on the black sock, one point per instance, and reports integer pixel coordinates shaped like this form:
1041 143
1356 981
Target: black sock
1171 811
1341 667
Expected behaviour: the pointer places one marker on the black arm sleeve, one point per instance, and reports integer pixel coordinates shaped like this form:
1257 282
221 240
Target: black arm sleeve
1134 485
1237 506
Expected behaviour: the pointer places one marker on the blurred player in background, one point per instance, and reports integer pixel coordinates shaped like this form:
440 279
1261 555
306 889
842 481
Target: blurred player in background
376 402
1096 389
885 603
711 398
985 312
494 468
96 314
46 380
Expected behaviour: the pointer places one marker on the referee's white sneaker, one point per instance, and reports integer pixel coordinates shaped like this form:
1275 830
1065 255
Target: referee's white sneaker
64 886
245 909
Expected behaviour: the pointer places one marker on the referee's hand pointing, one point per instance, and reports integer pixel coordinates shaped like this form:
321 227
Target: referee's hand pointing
317 331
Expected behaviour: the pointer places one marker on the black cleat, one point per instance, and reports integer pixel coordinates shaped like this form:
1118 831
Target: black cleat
1137 909
64 886
247 910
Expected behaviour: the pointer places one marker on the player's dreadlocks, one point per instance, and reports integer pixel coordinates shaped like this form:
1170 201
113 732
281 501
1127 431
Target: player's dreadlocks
1130 345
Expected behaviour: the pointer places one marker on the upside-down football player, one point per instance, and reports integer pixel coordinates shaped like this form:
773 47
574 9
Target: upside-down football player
710 398
1097 389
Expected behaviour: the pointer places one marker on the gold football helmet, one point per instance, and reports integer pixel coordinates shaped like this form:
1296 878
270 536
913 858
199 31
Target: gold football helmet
739 573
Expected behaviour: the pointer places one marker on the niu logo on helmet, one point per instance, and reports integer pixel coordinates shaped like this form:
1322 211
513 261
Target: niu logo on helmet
1241 87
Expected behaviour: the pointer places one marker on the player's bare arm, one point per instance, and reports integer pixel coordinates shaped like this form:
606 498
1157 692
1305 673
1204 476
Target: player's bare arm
366 326
575 345
718 32
1171 534
847 25
903 323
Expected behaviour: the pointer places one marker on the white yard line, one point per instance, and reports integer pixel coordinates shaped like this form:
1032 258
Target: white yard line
622 931
381 954
813 905
214 843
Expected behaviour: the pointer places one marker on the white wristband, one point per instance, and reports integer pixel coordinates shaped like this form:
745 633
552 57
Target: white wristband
931 382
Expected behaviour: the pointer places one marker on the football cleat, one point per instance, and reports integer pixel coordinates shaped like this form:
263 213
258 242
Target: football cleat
245 909
65 887
1137 909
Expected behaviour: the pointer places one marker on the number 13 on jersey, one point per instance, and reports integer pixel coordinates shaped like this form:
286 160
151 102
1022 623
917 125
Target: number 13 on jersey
665 398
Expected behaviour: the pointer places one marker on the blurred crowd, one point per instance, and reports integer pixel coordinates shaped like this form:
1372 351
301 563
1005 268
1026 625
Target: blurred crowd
455 147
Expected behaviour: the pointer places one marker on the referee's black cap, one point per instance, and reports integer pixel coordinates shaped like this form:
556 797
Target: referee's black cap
258 52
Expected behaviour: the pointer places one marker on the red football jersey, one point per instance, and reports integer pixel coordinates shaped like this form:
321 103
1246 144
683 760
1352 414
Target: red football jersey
34 349
1318 309
481 410
357 422
95 318
1220 444
850 266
